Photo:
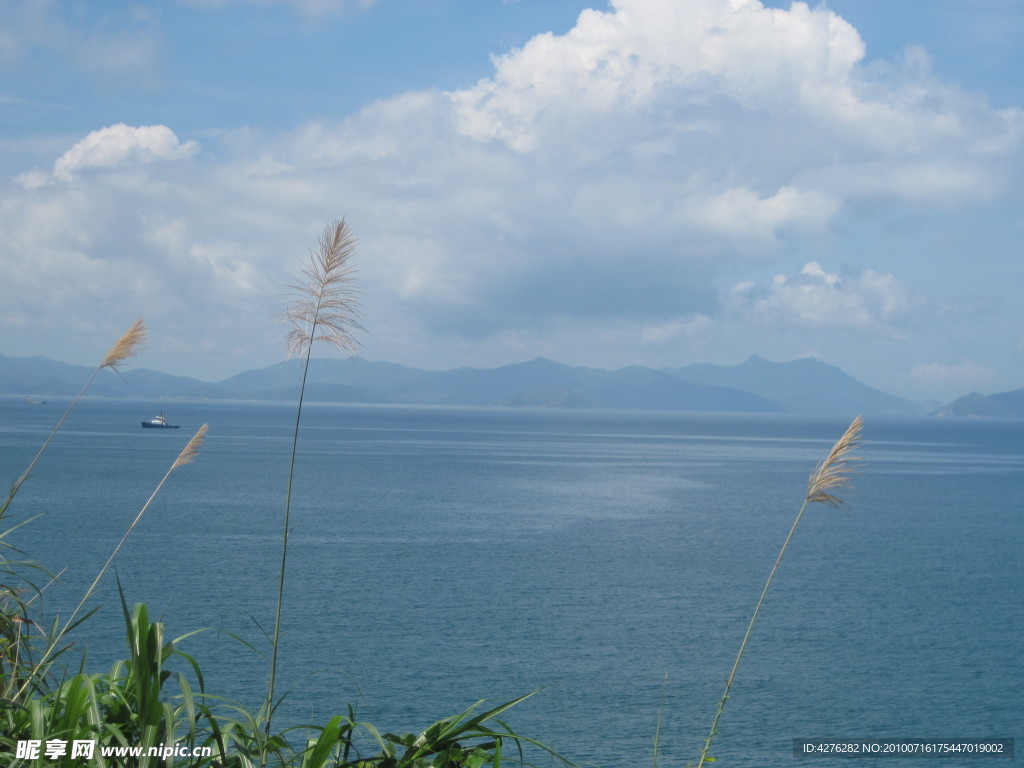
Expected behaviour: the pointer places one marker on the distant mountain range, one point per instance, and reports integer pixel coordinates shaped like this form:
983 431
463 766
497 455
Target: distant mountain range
757 385
802 386
1001 405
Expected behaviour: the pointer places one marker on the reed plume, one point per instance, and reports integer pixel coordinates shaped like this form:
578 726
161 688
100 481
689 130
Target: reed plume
191 450
833 472
127 346
187 456
835 469
325 308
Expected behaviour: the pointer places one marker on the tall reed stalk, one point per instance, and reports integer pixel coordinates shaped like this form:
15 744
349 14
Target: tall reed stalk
831 473
188 455
325 308
127 346
13 608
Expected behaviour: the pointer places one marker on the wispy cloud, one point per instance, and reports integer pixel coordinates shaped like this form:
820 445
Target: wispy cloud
867 301
121 46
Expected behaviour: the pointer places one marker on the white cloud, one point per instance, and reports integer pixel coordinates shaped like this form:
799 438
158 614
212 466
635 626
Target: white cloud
122 144
741 211
777 97
33 179
639 52
685 327
605 178
814 298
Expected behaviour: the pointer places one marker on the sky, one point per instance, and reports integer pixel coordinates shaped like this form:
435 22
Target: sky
638 182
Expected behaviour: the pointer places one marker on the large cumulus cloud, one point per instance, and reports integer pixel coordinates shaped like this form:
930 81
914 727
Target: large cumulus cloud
612 171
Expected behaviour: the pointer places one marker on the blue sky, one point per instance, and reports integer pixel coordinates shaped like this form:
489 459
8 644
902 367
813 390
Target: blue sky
640 182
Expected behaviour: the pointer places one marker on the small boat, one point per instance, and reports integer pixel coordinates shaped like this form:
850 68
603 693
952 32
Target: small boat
34 401
159 422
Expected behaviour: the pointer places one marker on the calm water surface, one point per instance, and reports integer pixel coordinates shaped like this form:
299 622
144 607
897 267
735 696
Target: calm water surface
440 556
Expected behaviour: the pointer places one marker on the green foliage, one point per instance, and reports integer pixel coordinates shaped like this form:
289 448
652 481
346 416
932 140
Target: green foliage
143 702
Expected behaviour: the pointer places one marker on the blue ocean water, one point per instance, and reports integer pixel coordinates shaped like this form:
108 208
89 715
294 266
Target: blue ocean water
610 559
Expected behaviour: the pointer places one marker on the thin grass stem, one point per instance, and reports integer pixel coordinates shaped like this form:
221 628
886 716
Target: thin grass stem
325 308
833 472
657 728
746 637
186 456
284 541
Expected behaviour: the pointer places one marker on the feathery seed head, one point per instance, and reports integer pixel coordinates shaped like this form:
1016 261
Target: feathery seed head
189 452
325 307
835 469
127 346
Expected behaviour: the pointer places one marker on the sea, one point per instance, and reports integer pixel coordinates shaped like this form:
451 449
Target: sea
608 561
